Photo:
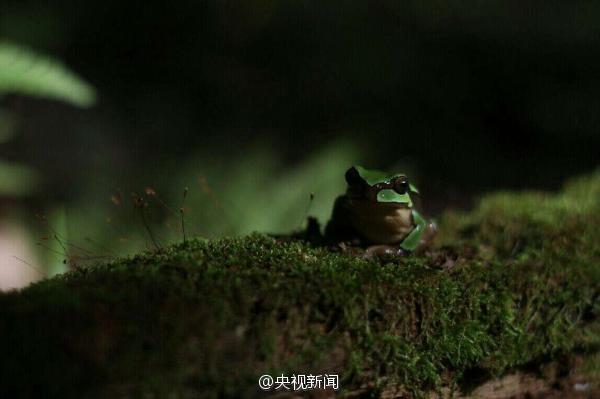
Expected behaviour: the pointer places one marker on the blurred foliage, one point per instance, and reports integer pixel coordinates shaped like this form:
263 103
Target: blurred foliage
23 71
510 89
259 192
7 126
16 179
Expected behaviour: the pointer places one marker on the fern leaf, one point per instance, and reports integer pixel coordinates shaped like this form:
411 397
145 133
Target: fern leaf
23 71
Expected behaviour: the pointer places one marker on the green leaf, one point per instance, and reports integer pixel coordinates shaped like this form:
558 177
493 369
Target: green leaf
23 71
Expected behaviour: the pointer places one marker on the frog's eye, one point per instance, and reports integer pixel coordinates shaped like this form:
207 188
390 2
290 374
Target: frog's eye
401 185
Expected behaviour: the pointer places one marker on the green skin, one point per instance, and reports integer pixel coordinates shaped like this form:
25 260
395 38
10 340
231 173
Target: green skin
377 209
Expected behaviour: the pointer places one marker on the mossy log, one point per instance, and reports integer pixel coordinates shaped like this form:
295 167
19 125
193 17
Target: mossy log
512 283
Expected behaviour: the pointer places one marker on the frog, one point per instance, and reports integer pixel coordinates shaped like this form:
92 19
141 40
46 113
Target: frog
377 212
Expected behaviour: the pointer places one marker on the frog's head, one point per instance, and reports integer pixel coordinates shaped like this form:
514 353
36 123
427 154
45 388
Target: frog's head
379 187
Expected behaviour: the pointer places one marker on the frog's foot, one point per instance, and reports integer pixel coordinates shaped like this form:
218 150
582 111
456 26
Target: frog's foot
382 251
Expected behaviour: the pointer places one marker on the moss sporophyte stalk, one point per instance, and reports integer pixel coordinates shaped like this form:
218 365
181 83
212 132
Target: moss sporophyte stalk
512 283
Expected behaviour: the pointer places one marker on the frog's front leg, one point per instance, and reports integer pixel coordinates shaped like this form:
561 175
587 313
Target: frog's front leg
421 235
428 235
419 238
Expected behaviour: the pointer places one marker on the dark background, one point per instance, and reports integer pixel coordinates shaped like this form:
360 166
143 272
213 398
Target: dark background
468 96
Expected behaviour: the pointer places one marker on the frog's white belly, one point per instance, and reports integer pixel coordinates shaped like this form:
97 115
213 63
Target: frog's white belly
380 223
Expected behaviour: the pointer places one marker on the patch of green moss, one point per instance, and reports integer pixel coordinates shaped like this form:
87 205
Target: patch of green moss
512 283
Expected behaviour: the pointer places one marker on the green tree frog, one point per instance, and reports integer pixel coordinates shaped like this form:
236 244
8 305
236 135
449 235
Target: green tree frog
378 210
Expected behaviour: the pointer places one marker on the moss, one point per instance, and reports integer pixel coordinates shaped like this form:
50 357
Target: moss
512 283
